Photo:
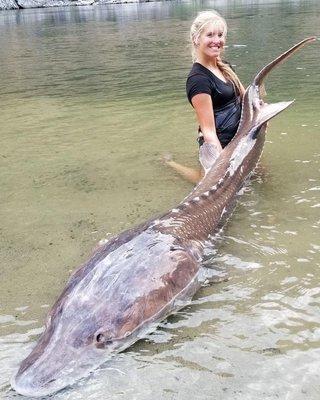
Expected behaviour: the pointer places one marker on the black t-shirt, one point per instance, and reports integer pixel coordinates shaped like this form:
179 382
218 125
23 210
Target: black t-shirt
202 80
226 106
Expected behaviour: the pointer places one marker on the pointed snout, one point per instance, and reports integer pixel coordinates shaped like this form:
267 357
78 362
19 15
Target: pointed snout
56 368
44 377
31 388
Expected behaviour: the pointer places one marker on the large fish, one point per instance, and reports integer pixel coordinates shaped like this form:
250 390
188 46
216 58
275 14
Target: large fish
141 276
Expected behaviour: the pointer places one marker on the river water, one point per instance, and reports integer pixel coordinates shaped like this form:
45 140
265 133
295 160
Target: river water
91 98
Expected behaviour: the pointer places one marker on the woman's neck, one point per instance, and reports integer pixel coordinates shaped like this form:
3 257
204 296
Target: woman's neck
210 63
212 66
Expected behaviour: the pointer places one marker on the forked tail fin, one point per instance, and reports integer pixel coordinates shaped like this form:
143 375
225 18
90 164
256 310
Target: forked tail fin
258 80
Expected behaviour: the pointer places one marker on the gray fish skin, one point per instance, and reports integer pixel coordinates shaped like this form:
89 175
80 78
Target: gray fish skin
143 275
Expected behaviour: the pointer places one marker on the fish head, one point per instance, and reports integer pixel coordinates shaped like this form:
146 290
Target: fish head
97 313
75 341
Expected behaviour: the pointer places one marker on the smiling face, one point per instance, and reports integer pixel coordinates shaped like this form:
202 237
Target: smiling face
211 41
208 32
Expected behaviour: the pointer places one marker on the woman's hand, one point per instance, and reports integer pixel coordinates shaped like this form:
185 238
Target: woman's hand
212 138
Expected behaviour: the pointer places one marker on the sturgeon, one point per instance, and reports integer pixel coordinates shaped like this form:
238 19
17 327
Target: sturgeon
138 278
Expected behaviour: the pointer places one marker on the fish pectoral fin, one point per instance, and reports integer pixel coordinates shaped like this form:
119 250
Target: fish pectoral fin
208 154
268 111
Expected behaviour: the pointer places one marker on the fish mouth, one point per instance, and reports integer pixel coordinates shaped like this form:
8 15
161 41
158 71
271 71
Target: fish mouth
32 384
51 375
30 389
28 384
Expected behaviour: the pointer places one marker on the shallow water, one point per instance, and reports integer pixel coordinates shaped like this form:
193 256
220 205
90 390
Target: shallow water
91 98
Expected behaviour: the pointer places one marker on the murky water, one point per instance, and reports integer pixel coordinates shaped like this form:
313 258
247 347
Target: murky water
90 99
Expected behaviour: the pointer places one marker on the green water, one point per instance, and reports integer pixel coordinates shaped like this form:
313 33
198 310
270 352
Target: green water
91 98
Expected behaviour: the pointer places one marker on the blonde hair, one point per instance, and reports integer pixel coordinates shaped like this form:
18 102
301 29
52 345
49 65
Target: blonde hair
203 18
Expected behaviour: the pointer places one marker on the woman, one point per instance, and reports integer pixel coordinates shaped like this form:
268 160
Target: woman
213 88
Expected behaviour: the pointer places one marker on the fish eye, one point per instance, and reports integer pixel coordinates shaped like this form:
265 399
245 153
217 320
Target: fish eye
102 339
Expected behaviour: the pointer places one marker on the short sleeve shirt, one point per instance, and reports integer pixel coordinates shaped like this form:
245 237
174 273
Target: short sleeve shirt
202 80
226 107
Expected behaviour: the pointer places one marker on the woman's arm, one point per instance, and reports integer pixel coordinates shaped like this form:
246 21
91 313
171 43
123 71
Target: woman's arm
202 104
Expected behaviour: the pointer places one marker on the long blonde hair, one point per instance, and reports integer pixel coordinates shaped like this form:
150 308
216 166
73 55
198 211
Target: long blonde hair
203 18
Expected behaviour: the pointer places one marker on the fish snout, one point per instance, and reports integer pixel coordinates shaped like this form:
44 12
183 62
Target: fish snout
26 385
56 369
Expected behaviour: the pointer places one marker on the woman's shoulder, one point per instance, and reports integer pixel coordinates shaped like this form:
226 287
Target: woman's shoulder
199 76
199 81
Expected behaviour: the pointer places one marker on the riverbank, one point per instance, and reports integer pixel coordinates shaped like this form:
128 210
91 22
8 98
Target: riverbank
16 4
